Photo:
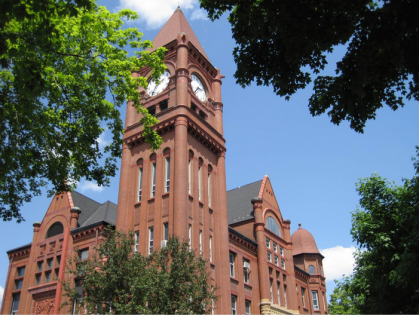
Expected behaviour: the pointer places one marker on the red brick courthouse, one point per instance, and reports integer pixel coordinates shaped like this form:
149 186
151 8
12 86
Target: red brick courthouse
180 189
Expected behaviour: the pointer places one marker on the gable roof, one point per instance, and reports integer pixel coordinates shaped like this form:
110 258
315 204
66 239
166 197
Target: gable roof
239 202
175 25
106 212
86 205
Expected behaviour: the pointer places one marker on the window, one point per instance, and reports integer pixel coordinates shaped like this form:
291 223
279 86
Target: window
150 239
153 179
49 263
303 293
281 251
58 261
324 302
163 105
20 271
136 241
285 296
269 257
315 299
268 243
232 258
166 231
271 291
278 292
38 278
200 242
209 185
233 305
246 268
272 225
190 172
283 264
78 301
201 162
167 187
15 304
140 183
247 307
275 247
276 260
18 284
320 270
84 254
311 269
55 229
210 248
47 276
212 301
57 271
190 237
40 266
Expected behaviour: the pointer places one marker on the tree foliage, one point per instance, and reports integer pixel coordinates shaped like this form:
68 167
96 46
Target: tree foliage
284 44
58 61
342 300
172 280
386 229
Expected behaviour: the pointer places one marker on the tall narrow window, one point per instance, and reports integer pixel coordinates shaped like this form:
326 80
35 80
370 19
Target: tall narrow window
233 305
140 183
246 268
269 257
283 264
311 269
268 243
320 270
303 293
166 231
275 247
137 240
21 271
78 300
212 301
285 296
247 307
271 290
315 299
15 304
281 250
167 184
201 162
276 260
153 179
278 292
324 303
232 258
190 172
210 248
209 186
150 239
190 237
200 242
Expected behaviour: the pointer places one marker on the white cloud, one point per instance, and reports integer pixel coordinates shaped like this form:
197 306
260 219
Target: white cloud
102 141
338 261
1 294
87 185
155 13
199 14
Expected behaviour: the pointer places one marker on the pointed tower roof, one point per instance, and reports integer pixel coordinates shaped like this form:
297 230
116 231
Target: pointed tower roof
175 25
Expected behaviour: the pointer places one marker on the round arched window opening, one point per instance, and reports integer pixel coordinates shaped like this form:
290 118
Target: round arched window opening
55 229
272 225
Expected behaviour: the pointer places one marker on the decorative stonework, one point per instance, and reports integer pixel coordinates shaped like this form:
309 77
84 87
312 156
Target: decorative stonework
273 309
45 307
88 232
241 241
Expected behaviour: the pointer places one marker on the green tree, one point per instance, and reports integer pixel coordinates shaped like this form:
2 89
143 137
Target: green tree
58 60
284 44
172 280
343 301
386 229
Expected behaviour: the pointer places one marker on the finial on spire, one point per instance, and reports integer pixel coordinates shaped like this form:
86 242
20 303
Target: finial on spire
299 225
178 8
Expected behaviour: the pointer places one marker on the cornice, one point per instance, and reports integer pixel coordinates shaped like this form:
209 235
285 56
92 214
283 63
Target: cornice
85 232
241 240
20 253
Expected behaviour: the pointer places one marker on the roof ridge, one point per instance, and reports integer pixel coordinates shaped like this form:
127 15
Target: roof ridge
245 185
87 197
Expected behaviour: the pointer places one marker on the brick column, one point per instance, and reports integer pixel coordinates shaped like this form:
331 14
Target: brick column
218 105
180 199
75 214
122 220
223 263
265 295
182 72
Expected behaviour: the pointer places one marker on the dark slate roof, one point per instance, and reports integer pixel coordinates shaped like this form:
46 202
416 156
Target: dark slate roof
19 248
239 202
106 212
86 205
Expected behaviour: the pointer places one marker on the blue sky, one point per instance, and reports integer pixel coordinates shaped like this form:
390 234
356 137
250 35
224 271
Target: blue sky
313 165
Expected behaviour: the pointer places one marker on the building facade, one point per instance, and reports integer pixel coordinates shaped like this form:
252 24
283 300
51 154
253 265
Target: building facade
178 190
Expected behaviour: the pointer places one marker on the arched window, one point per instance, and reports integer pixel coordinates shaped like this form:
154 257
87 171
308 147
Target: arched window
55 229
311 270
272 225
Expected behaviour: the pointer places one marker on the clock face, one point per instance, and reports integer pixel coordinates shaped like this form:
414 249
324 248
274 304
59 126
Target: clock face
198 88
157 86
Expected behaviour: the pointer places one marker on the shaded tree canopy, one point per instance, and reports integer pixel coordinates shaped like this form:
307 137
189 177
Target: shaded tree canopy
284 44
386 229
172 280
58 60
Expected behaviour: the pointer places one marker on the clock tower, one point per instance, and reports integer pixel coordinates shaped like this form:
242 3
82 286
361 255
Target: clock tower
179 189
